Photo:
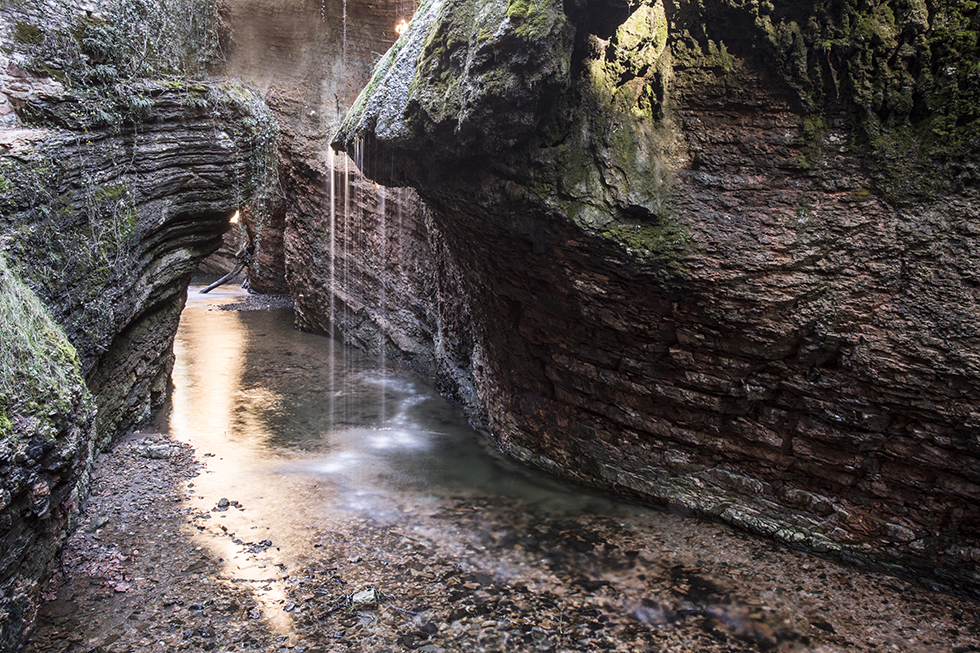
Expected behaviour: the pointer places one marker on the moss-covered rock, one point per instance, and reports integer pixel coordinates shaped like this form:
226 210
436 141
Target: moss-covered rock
906 69
118 176
731 242
444 80
45 448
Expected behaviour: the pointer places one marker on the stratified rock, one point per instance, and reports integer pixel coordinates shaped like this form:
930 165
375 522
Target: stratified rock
311 61
701 257
113 187
110 247
45 449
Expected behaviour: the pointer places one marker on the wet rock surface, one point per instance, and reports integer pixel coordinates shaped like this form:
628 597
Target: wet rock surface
310 61
676 288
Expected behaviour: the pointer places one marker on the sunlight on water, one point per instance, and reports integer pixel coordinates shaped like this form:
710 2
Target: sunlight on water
305 474
291 429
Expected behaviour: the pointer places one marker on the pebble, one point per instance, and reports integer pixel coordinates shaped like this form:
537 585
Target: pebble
365 599
156 451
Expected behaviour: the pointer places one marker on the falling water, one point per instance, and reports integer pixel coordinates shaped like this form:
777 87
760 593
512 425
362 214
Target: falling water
328 488
346 253
333 283
384 300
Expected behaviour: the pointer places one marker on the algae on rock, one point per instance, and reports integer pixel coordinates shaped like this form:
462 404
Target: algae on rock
45 448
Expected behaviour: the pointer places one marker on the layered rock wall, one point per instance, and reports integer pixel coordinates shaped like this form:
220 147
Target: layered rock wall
309 60
114 187
46 419
108 225
702 263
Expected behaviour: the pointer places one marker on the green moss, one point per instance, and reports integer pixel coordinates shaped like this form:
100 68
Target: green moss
133 39
690 53
27 34
639 42
40 376
814 130
72 241
380 71
664 242
861 195
5 424
906 68
534 18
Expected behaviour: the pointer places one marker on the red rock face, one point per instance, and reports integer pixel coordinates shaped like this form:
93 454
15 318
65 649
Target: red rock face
810 374
804 368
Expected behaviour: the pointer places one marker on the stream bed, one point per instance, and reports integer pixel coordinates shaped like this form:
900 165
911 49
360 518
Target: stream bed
313 498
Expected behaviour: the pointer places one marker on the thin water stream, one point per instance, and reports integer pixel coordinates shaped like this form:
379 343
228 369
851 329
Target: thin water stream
327 474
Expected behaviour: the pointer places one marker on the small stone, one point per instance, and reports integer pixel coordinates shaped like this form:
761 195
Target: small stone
98 523
898 533
365 599
156 451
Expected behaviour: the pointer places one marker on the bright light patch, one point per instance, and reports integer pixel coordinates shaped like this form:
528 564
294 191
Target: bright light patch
401 27
234 218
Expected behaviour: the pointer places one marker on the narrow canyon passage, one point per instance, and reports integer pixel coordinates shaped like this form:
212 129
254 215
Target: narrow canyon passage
342 505
717 256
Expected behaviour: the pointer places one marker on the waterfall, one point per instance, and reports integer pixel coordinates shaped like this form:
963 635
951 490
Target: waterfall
384 299
346 277
358 242
333 285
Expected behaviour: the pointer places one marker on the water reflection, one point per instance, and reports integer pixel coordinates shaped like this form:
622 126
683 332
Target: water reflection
251 380
325 474
296 439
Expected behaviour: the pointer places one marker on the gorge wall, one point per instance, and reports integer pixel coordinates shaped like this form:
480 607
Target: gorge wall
309 60
721 257
340 265
118 176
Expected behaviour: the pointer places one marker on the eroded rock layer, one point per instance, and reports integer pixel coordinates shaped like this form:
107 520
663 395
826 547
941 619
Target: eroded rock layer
114 187
702 263
109 246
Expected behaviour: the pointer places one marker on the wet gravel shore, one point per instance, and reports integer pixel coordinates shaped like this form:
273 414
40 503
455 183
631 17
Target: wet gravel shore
135 578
